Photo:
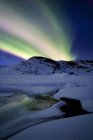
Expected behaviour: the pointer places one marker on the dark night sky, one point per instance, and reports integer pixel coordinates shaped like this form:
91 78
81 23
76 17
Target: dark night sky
80 14
77 13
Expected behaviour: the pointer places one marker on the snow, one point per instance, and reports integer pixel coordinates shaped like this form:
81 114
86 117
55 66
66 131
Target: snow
29 120
46 66
74 128
42 124
76 87
84 94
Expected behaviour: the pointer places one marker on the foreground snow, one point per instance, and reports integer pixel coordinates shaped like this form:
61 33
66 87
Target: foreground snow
74 128
57 85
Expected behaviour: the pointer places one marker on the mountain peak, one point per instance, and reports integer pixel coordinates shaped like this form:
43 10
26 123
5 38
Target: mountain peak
38 65
43 59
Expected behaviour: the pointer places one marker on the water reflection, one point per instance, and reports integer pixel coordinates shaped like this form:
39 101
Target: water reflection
18 111
40 102
17 105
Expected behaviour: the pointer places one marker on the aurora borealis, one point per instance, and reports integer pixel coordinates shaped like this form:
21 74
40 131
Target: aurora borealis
40 34
60 30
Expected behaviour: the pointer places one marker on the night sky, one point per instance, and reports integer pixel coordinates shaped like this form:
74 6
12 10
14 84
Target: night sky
61 30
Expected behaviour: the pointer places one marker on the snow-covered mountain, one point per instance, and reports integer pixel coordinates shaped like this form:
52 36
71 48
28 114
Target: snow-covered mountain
77 67
60 95
38 65
42 65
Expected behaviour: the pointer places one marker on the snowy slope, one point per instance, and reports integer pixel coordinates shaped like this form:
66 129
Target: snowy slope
77 128
44 66
38 65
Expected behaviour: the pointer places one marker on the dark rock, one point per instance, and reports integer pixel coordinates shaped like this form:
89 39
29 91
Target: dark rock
73 107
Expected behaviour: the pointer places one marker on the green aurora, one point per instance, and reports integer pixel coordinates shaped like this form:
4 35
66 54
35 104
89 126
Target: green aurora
37 35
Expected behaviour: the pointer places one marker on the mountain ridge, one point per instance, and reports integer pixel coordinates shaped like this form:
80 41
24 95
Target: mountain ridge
42 65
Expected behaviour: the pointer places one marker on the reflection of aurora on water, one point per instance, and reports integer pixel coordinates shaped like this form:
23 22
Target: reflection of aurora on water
33 31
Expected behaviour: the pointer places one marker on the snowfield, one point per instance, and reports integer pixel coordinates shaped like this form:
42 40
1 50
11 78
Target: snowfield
53 105
74 128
